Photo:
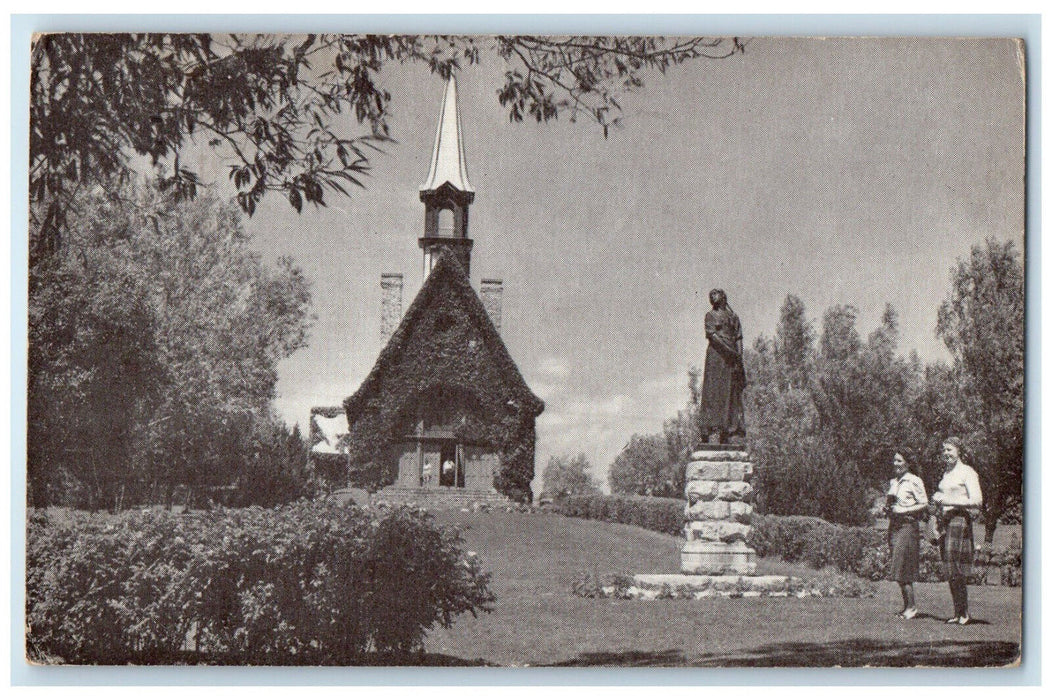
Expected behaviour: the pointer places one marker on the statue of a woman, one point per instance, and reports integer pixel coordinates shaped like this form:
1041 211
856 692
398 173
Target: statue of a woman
721 416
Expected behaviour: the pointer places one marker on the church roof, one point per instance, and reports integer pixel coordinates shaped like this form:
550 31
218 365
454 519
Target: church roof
448 163
446 280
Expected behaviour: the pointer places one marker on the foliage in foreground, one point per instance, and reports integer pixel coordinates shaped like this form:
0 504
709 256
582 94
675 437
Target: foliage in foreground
275 107
309 582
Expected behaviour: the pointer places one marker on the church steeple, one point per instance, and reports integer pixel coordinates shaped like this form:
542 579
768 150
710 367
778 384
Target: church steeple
447 192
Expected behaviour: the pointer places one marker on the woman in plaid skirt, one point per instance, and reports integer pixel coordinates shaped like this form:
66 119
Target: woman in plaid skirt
957 500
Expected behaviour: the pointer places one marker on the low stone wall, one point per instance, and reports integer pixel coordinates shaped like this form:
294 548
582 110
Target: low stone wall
441 497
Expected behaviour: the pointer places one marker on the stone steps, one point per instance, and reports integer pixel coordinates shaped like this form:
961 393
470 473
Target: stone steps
440 497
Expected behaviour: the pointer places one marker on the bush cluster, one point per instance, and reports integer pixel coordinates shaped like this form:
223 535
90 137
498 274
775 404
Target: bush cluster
308 582
864 552
658 514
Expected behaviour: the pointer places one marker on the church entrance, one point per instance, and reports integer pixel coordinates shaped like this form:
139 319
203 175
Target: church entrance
452 465
434 453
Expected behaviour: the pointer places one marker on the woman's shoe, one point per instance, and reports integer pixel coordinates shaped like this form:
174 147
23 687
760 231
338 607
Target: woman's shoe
963 620
909 613
954 621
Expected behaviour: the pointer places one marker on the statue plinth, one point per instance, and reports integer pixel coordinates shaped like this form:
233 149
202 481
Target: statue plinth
719 511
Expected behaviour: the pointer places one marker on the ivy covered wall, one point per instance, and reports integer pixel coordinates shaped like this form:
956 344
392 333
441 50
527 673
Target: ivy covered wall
446 345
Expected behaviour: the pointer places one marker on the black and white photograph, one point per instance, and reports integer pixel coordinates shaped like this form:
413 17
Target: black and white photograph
525 350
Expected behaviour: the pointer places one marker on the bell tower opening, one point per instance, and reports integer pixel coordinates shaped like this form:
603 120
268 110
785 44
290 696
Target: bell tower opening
445 223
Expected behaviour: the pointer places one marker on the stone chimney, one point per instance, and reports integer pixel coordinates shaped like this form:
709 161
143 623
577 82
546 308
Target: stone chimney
390 304
492 293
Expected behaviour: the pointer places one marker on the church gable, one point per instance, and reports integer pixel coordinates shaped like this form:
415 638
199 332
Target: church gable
446 338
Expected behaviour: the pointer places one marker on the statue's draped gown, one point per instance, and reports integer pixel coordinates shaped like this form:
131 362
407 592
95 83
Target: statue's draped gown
722 384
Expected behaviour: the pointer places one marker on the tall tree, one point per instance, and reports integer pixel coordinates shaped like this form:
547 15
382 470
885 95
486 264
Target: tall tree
831 415
982 323
162 313
266 102
568 476
864 391
794 343
93 373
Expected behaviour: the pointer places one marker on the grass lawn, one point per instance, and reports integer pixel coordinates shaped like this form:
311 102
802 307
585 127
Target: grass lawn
537 621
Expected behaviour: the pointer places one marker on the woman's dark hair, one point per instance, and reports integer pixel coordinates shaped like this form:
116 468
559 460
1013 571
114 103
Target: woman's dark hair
907 454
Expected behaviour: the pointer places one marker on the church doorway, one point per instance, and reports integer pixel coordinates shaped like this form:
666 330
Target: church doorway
451 471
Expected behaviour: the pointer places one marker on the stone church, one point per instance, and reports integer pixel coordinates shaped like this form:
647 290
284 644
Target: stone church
444 409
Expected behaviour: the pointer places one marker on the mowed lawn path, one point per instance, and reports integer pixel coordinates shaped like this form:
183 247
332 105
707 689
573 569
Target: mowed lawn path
537 621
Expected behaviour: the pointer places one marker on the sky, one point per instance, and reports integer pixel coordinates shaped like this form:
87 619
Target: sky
844 171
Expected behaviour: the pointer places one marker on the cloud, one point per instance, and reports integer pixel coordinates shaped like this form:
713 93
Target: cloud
554 367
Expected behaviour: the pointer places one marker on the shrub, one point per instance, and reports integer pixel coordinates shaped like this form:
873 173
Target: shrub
863 551
101 589
310 582
657 514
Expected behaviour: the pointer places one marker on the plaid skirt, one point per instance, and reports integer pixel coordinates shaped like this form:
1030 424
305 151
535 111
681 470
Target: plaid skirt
905 549
957 547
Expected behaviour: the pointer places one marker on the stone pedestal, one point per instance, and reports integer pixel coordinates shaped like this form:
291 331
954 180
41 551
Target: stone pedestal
717 558
719 510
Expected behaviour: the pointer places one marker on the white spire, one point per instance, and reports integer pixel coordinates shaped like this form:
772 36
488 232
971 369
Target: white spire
448 163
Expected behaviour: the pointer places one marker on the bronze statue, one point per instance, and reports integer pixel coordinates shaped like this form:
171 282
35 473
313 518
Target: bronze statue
721 414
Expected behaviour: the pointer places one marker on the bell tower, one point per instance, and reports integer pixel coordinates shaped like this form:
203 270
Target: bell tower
447 192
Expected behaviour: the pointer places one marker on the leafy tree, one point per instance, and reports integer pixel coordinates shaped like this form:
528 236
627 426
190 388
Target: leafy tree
93 374
644 468
982 323
681 435
864 392
568 476
266 103
655 465
154 338
795 343
829 416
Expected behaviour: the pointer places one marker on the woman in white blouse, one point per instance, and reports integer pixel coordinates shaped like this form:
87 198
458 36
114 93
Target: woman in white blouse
957 501
906 503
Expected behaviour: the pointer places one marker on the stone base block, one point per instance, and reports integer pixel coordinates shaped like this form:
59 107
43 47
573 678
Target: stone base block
709 510
703 490
681 586
721 453
701 557
741 512
717 530
699 470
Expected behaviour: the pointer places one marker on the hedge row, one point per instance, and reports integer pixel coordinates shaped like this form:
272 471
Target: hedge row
863 551
310 582
658 514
